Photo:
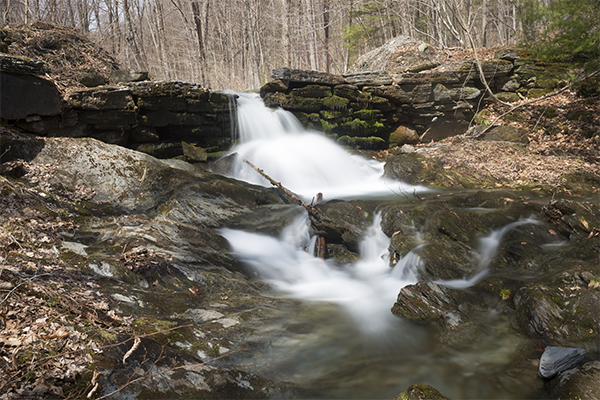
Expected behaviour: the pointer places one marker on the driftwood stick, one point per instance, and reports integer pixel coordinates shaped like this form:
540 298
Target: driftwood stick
318 222
309 208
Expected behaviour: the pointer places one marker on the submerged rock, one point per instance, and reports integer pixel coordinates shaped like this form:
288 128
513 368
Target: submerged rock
559 359
420 391
450 309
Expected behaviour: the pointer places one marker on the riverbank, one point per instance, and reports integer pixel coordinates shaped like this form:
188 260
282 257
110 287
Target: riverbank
560 156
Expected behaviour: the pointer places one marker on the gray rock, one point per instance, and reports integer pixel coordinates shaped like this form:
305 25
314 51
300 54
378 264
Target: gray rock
125 75
20 65
91 79
272 87
301 75
443 94
407 149
507 54
369 78
194 153
506 134
512 85
491 69
559 359
25 95
105 98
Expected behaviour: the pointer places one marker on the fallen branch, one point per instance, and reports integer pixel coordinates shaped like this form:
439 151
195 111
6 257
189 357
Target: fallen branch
514 107
319 222
278 184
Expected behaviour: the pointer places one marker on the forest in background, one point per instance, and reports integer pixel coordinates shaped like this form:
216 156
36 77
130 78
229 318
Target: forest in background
236 43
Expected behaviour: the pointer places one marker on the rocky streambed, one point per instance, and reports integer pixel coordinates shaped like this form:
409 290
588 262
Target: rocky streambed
140 289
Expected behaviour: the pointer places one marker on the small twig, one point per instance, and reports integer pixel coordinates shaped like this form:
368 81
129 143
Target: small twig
19 285
539 119
278 184
5 151
136 344
15 240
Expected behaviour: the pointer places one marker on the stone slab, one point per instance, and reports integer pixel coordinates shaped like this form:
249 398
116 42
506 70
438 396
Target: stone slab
22 95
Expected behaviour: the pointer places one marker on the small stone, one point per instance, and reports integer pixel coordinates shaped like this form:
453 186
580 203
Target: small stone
124 75
407 149
91 79
559 359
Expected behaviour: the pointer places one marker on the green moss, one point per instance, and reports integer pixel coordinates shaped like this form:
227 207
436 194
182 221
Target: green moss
146 325
483 117
517 117
328 126
336 103
363 143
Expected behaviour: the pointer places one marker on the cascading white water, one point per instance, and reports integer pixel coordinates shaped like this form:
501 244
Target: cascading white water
366 289
488 246
304 162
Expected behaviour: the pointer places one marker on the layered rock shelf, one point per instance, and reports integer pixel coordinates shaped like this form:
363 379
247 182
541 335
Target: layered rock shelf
380 110
363 110
165 119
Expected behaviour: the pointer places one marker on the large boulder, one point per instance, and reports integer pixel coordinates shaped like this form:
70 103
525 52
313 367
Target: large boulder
27 95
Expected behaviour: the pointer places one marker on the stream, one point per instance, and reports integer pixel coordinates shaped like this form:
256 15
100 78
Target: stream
344 342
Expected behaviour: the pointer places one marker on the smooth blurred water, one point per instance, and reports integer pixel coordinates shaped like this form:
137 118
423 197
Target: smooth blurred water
305 162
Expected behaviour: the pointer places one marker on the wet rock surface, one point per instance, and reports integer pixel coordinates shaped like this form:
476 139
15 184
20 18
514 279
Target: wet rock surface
559 359
420 391
579 383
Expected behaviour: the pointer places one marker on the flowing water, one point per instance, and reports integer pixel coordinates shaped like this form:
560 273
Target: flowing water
344 342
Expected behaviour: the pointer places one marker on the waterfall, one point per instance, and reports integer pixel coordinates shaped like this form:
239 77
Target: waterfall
304 162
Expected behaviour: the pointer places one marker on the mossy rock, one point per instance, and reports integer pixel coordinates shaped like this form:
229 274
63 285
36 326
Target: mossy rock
403 135
304 104
349 92
315 91
363 143
336 103
420 391
515 116
362 128
580 183
508 97
328 126
588 87
483 117
381 103
416 169
341 254
581 115
537 92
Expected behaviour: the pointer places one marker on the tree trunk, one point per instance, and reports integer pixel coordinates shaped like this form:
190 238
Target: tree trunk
131 37
285 33
326 35
201 43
